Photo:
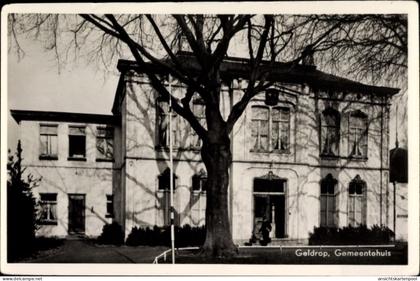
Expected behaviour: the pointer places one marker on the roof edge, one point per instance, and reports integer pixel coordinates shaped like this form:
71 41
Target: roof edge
296 74
34 115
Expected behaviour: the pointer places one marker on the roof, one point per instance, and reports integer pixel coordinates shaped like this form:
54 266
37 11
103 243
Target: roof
233 67
32 115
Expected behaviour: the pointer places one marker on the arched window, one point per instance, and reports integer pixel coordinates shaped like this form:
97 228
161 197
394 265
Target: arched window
270 129
330 132
164 180
357 202
328 201
198 198
199 181
164 195
358 133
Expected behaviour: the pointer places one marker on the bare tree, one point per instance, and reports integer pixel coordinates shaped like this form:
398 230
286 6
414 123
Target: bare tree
371 43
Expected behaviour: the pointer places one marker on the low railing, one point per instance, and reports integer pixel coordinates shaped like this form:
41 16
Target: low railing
167 252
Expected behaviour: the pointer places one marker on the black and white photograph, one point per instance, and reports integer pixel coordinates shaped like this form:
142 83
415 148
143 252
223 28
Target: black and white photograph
157 135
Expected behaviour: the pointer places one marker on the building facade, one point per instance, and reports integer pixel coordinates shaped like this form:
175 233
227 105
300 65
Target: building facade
318 156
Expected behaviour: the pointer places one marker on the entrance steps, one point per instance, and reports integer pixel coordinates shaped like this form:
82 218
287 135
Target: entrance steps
278 242
288 242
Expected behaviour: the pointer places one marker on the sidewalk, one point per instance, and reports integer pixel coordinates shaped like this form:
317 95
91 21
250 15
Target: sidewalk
81 251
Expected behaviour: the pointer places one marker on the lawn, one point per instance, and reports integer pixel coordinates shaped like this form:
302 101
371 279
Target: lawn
304 255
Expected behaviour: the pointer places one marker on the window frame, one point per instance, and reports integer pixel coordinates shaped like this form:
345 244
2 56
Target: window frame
109 206
163 115
363 135
270 123
73 157
328 180
48 203
165 175
196 142
201 178
326 129
48 156
353 197
103 138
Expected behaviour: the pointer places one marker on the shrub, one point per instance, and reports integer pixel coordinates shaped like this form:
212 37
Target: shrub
161 236
350 235
111 234
21 209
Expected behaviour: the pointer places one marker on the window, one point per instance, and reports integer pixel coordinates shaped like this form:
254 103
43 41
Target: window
198 198
328 201
198 109
199 181
358 135
104 143
164 180
163 125
77 143
109 206
270 121
330 132
280 129
357 202
48 206
164 195
48 141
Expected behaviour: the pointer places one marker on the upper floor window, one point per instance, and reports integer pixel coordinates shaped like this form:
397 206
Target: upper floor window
199 181
330 132
358 132
164 180
198 109
357 202
48 141
163 125
270 129
328 201
77 143
48 204
104 143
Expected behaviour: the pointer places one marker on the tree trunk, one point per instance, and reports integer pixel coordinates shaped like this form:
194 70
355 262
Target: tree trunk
217 158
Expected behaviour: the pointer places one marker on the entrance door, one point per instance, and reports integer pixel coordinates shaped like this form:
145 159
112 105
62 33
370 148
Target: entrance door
76 213
269 204
277 206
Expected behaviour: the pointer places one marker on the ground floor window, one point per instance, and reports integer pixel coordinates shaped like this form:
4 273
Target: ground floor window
198 198
109 206
328 201
357 202
48 205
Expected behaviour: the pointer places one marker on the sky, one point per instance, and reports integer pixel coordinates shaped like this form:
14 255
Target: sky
36 83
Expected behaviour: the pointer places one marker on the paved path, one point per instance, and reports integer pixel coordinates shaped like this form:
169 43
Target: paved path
80 251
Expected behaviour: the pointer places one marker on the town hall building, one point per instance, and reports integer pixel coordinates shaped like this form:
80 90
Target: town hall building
318 156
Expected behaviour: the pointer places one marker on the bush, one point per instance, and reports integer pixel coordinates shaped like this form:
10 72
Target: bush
161 236
350 235
21 209
111 234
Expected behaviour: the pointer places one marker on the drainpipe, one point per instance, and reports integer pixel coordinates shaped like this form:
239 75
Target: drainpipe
230 190
381 167
395 215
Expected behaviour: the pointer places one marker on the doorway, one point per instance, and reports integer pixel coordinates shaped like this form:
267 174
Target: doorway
270 204
76 213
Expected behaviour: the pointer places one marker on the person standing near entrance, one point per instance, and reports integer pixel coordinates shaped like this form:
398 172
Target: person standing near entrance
265 232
